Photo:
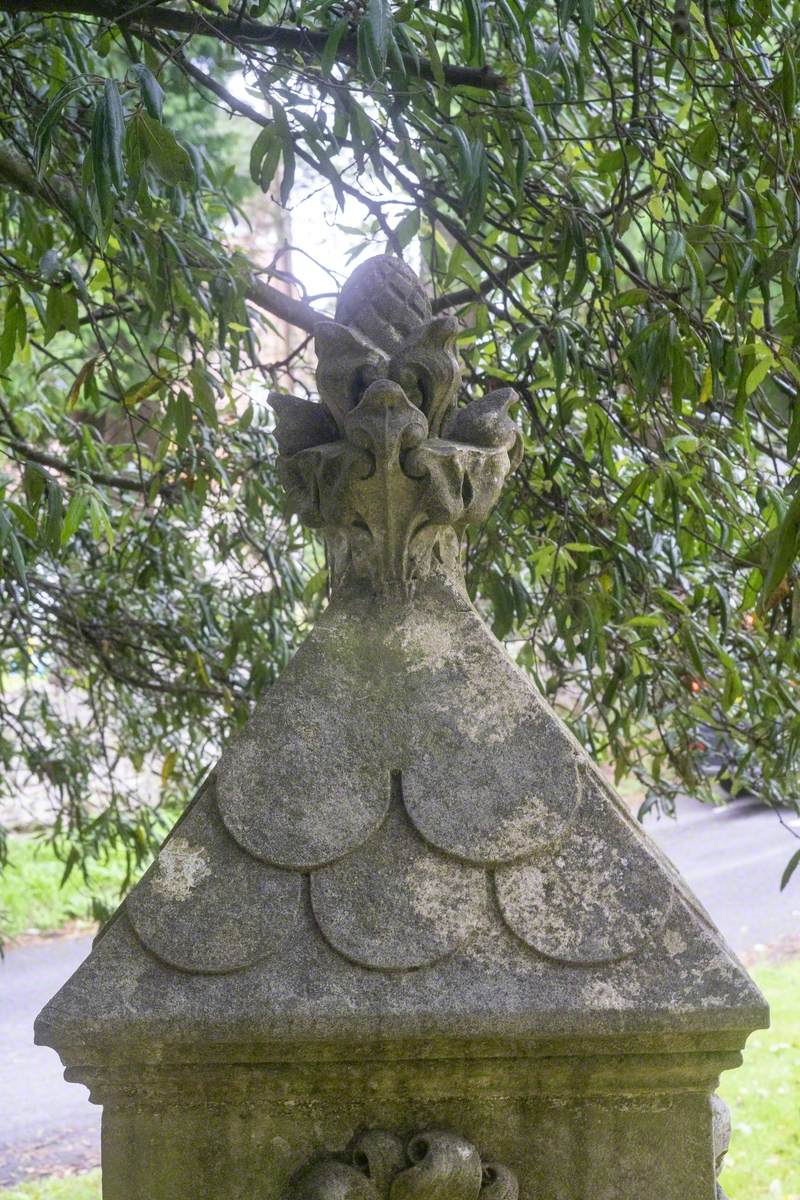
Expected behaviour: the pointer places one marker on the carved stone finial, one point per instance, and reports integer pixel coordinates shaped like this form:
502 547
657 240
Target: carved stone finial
377 1165
383 464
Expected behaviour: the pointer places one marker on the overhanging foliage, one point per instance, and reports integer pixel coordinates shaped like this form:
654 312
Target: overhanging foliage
606 193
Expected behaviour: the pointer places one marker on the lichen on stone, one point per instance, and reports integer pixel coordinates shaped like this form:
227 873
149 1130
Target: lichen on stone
180 868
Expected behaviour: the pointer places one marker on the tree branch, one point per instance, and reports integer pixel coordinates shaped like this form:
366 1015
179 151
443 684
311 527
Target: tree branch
58 192
246 32
469 295
286 308
123 483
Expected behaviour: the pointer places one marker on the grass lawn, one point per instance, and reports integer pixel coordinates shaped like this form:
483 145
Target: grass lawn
764 1097
31 898
71 1187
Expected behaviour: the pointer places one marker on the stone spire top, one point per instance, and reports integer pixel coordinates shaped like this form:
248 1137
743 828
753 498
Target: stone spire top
384 464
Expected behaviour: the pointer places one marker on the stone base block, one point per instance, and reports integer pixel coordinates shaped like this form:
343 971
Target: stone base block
618 1146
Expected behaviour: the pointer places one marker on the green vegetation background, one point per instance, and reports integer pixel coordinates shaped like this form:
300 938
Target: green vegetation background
33 899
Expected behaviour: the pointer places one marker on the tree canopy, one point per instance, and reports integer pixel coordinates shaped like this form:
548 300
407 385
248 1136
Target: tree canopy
608 196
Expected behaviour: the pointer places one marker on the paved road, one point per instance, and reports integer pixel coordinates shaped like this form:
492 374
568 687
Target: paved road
732 857
45 1123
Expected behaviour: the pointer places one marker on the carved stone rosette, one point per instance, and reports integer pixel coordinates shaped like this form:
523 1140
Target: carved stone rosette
384 464
377 1165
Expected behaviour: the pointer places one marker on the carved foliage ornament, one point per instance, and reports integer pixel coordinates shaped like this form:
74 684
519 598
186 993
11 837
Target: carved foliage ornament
384 464
377 1165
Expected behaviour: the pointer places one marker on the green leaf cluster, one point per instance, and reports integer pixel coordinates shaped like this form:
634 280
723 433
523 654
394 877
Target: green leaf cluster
608 198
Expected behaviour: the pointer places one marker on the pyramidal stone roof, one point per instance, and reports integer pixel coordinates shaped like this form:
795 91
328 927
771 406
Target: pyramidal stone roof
404 842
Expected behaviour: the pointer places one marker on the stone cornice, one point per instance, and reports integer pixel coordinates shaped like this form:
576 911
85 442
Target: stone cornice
582 1069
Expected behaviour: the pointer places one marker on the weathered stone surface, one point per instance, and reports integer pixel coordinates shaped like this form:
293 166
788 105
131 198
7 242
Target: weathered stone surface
395 904
479 790
206 905
405 898
304 783
628 1146
595 898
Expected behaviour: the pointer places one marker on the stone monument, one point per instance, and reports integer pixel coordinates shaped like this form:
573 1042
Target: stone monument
405 942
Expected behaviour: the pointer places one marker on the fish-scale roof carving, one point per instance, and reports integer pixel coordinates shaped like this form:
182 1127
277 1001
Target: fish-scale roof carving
438 791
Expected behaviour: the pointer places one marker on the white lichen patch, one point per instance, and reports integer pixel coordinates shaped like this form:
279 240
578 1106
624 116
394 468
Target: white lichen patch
425 647
602 993
446 896
674 943
180 868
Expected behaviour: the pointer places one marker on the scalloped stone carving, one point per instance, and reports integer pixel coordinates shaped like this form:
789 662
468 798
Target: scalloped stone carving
394 904
303 785
208 906
597 898
431 1165
515 783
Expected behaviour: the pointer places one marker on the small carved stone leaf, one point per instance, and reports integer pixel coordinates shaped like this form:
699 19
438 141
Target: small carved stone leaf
385 422
428 370
721 1125
318 482
346 366
329 1179
300 424
512 778
462 483
445 1167
485 422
